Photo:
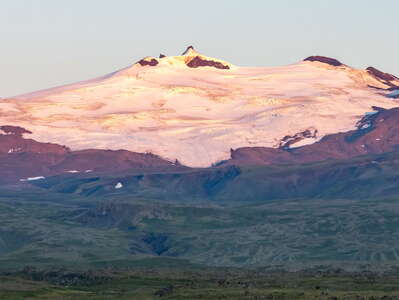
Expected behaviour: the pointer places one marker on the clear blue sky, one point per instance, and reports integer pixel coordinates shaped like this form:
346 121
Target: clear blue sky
45 43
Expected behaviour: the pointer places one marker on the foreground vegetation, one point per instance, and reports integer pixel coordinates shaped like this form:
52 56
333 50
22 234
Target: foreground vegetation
205 284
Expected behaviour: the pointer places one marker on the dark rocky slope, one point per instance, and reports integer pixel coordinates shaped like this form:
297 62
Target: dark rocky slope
375 134
22 158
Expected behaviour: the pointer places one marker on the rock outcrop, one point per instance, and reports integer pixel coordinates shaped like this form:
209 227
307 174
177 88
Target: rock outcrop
323 59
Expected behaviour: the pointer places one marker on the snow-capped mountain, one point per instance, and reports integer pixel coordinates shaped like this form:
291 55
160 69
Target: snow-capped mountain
195 109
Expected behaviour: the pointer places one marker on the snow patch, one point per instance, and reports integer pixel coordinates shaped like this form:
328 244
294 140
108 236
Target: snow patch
365 126
304 142
14 150
33 178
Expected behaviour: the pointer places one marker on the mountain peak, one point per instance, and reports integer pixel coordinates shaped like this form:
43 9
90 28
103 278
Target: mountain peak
194 108
190 51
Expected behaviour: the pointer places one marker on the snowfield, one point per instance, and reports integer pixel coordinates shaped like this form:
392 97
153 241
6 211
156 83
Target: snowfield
196 115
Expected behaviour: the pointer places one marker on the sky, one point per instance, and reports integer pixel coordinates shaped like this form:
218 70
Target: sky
46 43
